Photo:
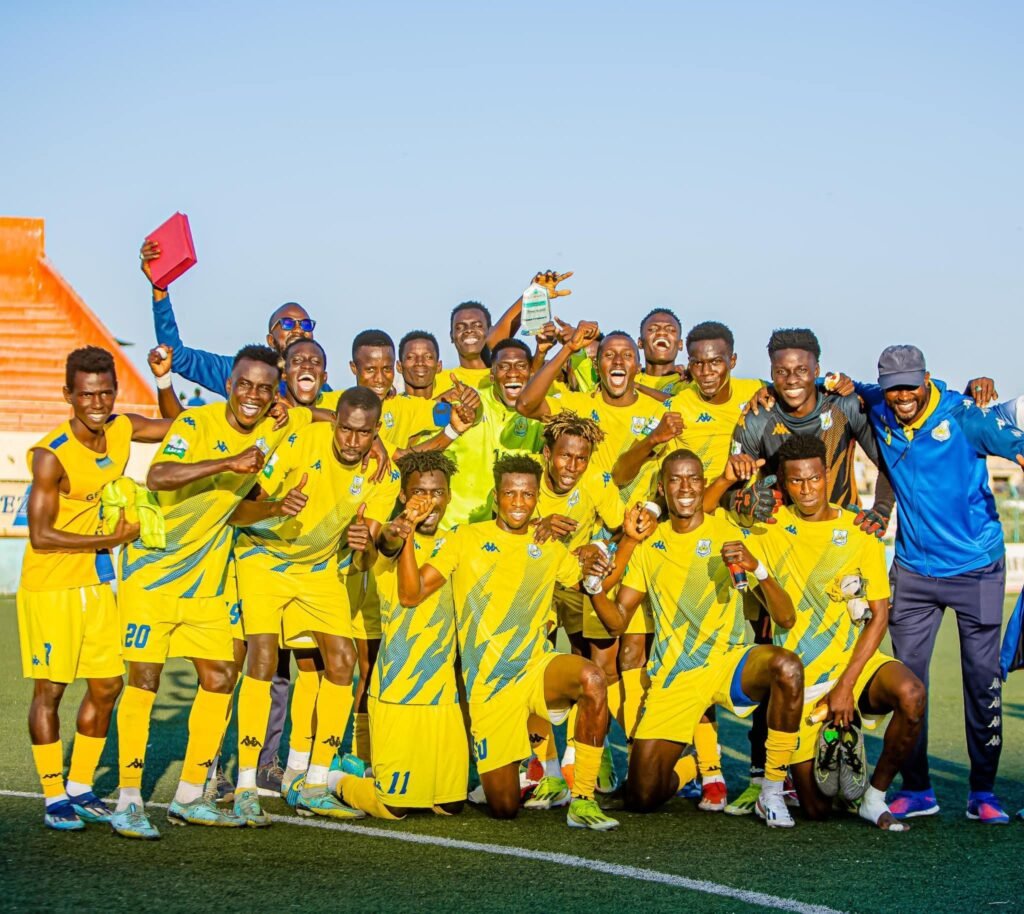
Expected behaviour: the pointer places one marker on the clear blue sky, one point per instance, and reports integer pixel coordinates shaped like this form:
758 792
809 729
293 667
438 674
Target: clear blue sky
853 168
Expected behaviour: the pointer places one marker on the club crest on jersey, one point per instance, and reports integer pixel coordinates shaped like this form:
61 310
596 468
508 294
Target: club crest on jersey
941 431
533 550
261 443
438 543
826 421
704 548
521 427
839 537
268 470
574 499
357 485
637 425
389 419
176 446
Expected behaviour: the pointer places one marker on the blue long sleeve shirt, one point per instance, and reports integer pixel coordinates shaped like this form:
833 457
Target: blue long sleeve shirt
948 524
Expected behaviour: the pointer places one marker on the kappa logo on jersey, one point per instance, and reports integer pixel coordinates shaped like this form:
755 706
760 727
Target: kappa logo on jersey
594 415
780 429
574 499
704 548
395 475
490 547
357 485
791 529
606 478
189 421
316 466
826 421
839 537
221 446
660 546
533 550
888 436
705 417
176 446
941 431
292 438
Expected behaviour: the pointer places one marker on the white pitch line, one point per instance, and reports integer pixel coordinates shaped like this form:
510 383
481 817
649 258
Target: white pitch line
522 853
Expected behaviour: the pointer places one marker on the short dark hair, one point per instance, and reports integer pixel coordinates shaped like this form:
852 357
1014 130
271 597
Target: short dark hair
516 463
611 334
367 339
511 343
257 352
801 447
425 462
680 453
465 306
307 342
360 398
414 335
794 338
654 311
710 330
88 360
567 422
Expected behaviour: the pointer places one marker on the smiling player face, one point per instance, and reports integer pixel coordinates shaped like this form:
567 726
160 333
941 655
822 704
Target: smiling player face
617 366
510 371
660 339
682 484
305 371
469 332
92 398
251 391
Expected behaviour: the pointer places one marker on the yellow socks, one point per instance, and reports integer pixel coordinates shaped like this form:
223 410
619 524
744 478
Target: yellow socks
360 793
633 690
779 746
333 707
253 715
588 763
361 736
49 760
133 714
307 687
686 769
85 757
206 725
709 758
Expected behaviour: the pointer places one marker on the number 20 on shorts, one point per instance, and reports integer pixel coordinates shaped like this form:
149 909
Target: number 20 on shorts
136 635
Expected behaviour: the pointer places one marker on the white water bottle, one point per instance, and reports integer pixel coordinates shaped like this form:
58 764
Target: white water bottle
536 309
594 583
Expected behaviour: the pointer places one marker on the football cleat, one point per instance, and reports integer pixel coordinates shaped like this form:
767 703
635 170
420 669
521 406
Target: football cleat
773 809
827 758
248 809
907 804
133 823
219 789
91 808
691 790
202 812
984 806
713 796
319 801
549 793
268 780
62 816
584 813
291 790
744 804
789 792
853 765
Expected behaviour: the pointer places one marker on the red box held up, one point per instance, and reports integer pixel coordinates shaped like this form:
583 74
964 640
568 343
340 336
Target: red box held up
177 252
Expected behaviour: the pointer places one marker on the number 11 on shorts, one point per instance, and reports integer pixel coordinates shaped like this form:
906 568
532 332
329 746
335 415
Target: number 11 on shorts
396 777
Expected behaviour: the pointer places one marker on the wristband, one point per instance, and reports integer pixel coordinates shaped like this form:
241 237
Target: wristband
163 382
761 573
450 432
653 507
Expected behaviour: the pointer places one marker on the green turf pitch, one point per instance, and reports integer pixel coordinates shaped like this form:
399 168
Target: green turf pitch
668 861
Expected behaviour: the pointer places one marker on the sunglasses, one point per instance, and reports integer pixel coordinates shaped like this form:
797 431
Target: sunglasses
288 324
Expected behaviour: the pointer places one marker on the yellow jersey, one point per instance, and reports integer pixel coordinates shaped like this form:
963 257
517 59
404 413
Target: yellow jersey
502 584
194 562
591 503
698 614
818 563
622 427
477 378
500 429
78 510
402 418
708 427
416 663
328 399
667 383
310 541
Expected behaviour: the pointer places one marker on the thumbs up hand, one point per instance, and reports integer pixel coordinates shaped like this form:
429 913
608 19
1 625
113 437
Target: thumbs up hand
296 499
359 538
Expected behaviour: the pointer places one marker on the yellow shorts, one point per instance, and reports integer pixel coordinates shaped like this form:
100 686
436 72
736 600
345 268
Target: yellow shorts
69 634
233 604
498 725
420 754
568 606
156 626
292 605
642 622
672 712
808 735
365 602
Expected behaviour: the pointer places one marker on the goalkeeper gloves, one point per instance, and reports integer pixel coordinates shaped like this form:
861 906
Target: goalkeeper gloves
870 521
758 502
